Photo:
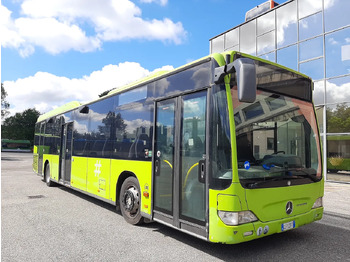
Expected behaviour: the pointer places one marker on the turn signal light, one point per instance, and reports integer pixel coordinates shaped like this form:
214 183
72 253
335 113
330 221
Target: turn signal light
146 194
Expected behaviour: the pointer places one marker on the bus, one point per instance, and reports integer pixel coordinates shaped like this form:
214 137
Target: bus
11 145
226 148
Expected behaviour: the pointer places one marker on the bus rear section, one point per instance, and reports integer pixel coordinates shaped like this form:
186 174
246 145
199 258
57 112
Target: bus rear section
276 177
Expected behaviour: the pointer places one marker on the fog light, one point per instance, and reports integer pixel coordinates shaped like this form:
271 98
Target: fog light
236 218
318 203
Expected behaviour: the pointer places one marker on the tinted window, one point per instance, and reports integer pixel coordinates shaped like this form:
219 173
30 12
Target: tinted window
81 134
193 78
132 131
101 116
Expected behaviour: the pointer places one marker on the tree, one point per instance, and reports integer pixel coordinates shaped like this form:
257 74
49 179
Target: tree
21 125
338 119
4 104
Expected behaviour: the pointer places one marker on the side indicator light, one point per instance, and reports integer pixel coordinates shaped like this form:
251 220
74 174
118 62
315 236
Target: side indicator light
146 206
248 233
146 194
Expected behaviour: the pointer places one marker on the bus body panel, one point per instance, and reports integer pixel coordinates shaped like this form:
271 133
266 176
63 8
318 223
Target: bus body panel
143 172
98 177
79 172
269 204
53 161
221 233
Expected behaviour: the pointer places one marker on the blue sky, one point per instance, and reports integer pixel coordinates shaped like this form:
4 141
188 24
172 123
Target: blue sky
57 51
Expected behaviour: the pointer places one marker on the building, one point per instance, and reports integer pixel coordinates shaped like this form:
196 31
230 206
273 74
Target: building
313 37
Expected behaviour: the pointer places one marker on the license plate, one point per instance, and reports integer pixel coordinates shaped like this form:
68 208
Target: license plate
288 225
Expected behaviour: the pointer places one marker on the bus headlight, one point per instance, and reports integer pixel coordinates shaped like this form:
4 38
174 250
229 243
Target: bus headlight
318 203
236 218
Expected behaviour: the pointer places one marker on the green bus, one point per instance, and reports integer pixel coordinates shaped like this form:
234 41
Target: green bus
11 145
226 149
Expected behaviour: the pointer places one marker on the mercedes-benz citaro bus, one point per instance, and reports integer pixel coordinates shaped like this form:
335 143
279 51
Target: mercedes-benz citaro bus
226 148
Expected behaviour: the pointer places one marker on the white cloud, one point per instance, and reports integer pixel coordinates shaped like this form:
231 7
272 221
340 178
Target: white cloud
46 91
81 25
337 93
160 2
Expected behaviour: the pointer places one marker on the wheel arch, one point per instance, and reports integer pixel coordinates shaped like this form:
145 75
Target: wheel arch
46 164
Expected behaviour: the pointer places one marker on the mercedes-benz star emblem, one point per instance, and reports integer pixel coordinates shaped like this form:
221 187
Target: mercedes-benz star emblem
289 208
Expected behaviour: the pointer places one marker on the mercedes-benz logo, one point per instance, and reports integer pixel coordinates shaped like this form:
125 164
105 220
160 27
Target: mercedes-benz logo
289 208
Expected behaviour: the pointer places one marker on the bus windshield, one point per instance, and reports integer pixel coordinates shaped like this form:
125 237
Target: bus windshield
277 136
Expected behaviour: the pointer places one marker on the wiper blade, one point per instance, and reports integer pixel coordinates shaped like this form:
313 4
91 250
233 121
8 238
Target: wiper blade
267 180
304 173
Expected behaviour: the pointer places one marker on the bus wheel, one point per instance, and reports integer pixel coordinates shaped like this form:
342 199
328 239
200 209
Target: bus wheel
130 201
47 176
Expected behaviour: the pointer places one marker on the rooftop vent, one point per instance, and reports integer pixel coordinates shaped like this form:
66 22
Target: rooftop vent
258 10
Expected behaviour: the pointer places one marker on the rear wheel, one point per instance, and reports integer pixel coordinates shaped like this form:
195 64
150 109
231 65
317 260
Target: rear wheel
47 176
130 201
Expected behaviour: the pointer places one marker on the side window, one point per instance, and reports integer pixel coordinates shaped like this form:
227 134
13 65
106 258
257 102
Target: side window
221 172
132 132
81 134
101 116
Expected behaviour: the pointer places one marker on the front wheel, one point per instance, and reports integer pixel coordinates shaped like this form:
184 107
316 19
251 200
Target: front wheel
130 201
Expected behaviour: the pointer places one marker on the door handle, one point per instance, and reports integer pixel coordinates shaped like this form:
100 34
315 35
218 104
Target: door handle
157 167
201 171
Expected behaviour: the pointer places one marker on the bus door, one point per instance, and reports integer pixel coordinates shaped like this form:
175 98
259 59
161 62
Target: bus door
41 148
66 152
180 185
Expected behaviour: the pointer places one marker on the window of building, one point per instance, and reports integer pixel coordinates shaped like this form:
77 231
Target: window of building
288 57
266 23
319 115
335 14
309 7
248 38
311 49
217 44
287 24
232 38
338 90
318 94
266 43
269 56
313 69
310 26
338 53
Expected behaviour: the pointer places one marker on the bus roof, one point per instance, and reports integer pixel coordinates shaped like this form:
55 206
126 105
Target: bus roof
59 110
15 141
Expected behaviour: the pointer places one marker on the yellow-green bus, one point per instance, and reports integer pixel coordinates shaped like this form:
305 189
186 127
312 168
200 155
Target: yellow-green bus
225 148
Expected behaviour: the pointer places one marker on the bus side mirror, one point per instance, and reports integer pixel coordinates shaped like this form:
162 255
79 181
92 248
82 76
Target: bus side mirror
246 78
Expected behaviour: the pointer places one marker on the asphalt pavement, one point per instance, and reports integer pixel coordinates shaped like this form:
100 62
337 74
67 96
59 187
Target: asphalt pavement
336 199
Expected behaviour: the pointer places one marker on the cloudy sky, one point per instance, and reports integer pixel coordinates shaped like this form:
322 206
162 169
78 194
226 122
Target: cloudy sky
57 51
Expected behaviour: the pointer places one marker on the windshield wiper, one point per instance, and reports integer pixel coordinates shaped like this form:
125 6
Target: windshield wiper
304 173
267 180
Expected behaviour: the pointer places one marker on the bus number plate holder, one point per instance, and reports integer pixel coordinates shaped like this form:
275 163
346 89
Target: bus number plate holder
288 225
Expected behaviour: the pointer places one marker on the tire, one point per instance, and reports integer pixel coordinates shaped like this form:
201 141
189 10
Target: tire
130 201
47 179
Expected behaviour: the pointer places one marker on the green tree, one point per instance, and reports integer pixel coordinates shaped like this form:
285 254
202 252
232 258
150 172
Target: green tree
4 104
21 125
338 119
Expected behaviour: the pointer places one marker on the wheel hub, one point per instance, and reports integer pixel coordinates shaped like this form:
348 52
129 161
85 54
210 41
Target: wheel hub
131 200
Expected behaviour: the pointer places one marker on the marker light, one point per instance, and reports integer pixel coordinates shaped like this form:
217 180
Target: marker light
318 203
236 218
